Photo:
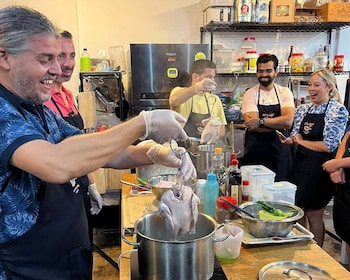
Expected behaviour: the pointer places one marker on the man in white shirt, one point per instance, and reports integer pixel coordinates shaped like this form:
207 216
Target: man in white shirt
267 108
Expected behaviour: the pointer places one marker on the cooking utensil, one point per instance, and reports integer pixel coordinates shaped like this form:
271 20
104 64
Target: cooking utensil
190 257
237 208
267 228
159 191
232 136
137 187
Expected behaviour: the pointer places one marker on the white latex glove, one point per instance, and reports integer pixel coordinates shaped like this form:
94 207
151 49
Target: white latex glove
205 85
96 200
210 133
170 158
163 125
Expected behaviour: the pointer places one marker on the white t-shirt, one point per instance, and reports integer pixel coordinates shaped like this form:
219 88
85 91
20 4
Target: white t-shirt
250 98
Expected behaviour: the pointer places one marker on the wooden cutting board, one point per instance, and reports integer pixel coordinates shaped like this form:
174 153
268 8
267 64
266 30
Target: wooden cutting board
87 108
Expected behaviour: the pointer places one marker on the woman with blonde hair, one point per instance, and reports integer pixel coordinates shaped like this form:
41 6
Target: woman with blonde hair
317 132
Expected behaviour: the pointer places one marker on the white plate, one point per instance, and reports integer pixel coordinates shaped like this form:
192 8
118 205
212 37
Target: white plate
298 233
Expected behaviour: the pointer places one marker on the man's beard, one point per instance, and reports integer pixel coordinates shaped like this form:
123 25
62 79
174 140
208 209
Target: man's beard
265 83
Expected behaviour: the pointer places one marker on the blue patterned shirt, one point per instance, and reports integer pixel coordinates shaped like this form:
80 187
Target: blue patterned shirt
18 204
336 119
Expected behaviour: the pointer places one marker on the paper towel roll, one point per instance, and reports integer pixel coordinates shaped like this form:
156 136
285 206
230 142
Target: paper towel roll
87 108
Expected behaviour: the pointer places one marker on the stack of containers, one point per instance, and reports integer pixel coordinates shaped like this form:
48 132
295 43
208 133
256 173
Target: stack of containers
259 177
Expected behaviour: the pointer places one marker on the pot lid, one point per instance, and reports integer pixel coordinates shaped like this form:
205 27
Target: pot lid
292 270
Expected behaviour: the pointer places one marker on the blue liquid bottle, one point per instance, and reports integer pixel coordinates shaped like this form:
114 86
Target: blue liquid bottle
211 193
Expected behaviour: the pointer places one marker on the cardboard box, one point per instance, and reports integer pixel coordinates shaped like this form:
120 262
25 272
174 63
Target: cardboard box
282 11
335 11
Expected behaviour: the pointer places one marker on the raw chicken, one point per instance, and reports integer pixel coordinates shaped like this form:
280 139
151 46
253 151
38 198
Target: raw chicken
179 207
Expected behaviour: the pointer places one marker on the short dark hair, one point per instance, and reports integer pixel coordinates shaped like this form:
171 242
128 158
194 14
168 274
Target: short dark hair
265 58
200 65
66 34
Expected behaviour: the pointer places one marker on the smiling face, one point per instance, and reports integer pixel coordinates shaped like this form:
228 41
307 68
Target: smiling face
318 90
30 73
266 74
66 60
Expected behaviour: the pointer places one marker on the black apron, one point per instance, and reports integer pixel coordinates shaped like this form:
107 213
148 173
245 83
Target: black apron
314 186
58 245
78 122
265 147
341 205
75 120
193 126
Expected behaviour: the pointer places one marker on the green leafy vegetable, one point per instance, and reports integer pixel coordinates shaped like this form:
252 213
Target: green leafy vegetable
142 181
275 211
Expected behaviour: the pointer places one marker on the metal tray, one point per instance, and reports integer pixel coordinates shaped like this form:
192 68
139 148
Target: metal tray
298 233
292 270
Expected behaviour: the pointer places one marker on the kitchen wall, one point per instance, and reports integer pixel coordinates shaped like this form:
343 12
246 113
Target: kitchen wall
101 24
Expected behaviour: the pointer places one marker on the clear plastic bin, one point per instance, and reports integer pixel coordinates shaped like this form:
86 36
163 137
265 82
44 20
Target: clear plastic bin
280 191
258 176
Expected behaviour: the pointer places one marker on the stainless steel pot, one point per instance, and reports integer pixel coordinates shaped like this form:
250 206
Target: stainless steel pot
204 154
189 257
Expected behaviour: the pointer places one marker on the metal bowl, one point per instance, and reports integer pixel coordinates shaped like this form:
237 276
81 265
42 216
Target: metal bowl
265 228
158 192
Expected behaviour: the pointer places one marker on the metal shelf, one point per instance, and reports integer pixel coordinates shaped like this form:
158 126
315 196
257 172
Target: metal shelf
297 74
273 27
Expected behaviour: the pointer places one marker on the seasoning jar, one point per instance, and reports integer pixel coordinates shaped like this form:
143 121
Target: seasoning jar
250 62
225 212
297 62
338 63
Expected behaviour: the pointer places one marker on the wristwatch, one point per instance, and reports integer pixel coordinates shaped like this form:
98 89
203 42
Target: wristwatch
261 122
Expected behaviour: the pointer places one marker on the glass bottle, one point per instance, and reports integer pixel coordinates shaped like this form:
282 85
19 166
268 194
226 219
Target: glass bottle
85 61
235 181
211 194
218 168
290 54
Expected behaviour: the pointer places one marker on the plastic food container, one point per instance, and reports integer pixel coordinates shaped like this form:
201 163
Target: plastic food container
258 176
297 62
280 191
250 62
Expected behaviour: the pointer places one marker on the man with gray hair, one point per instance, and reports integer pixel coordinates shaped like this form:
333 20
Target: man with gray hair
43 225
